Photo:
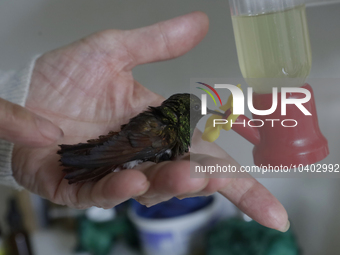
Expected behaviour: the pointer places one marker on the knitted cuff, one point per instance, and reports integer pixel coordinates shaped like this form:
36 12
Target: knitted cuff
14 87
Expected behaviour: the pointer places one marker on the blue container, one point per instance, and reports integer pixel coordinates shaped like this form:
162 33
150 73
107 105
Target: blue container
175 227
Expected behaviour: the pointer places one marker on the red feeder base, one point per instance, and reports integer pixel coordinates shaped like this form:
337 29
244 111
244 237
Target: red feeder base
286 146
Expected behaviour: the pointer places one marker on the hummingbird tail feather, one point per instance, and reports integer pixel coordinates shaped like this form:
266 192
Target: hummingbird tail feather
79 148
83 148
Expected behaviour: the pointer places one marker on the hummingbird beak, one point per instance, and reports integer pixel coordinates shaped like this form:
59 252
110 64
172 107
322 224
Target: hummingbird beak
215 112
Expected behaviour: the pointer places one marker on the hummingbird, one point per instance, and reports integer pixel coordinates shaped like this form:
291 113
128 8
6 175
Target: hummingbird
157 134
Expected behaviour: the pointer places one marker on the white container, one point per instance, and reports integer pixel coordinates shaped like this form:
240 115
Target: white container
180 235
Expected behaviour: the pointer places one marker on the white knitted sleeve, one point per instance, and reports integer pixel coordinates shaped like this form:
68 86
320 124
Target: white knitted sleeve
14 88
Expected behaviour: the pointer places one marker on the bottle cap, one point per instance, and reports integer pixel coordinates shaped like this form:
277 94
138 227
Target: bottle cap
100 215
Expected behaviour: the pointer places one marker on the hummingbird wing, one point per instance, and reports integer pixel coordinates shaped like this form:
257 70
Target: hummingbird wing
143 138
82 148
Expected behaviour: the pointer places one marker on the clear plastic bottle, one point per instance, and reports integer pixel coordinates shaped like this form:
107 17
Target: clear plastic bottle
272 42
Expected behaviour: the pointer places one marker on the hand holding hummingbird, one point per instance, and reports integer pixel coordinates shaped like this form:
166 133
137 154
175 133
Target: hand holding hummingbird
87 89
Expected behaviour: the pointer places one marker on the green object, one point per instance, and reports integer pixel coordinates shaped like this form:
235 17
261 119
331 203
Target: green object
273 45
98 237
238 237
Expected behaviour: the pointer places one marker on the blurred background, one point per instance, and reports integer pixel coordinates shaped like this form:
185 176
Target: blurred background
30 27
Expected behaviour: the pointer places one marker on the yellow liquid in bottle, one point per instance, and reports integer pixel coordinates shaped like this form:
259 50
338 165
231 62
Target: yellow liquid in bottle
273 49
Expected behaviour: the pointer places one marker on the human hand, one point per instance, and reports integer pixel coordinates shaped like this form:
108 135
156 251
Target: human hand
87 89
21 126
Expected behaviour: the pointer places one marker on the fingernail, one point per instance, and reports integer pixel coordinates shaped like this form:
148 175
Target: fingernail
151 195
286 227
48 129
182 197
149 205
147 184
144 166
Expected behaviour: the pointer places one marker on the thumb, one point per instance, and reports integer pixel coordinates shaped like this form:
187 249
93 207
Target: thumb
161 41
19 125
166 40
